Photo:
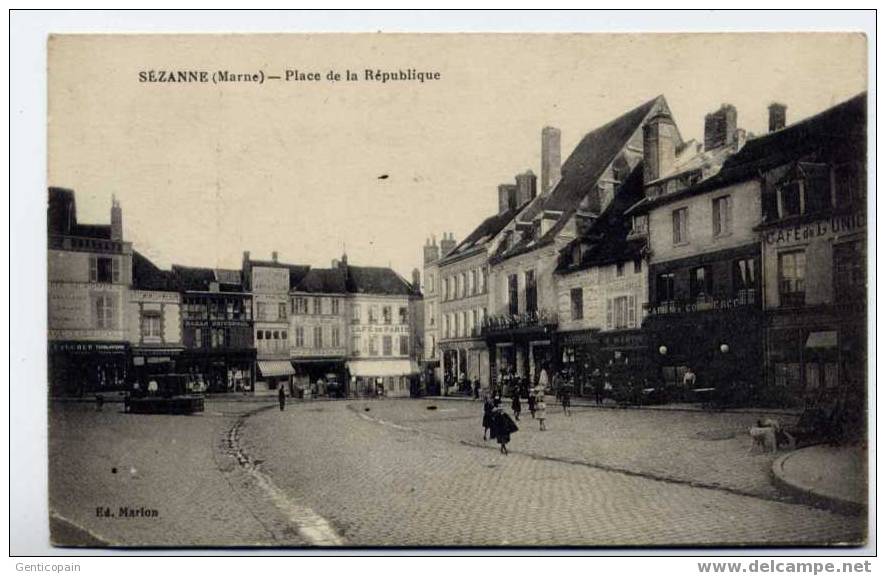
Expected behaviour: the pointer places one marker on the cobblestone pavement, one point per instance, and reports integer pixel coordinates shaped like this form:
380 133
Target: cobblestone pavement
176 465
246 474
397 475
698 448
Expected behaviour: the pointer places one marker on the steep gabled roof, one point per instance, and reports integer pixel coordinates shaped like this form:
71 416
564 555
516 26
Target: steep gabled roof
581 171
841 128
607 240
486 231
147 276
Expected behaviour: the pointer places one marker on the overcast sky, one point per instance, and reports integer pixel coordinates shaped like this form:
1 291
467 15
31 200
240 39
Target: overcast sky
206 171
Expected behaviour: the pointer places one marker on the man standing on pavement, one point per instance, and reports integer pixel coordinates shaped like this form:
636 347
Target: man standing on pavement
281 397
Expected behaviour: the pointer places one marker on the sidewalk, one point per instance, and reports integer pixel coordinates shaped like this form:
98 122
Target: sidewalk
673 407
833 477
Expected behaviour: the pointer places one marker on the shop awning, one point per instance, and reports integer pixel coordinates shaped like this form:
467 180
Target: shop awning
275 368
827 339
372 368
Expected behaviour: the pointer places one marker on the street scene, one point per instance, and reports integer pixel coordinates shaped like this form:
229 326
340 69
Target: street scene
370 473
538 323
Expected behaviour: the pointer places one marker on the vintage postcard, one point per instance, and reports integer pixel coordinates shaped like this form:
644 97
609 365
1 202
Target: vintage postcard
457 290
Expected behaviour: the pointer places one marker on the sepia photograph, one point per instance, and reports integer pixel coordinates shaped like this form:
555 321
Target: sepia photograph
455 291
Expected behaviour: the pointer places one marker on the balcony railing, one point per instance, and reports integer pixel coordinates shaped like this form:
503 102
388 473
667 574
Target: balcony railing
508 322
744 299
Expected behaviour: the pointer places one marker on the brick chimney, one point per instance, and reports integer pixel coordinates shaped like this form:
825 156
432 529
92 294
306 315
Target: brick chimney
778 116
507 198
550 158
447 244
431 251
526 186
719 127
416 281
659 146
274 256
116 220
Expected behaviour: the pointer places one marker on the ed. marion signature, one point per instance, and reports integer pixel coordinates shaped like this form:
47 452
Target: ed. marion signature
126 512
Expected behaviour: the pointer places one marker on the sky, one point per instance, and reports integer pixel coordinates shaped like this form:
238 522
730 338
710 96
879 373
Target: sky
206 171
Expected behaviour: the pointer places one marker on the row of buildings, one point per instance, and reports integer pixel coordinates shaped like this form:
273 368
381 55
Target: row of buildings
114 319
645 255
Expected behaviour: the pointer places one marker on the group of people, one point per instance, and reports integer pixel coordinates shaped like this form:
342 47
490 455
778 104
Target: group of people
498 424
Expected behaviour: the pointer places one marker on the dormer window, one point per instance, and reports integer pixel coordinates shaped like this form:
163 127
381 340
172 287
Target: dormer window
639 224
806 189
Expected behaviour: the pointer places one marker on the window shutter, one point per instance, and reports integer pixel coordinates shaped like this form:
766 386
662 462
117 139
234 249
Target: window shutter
728 213
609 313
93 269
632 312
115 270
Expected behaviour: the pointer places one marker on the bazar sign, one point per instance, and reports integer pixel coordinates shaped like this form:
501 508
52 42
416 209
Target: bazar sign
800 233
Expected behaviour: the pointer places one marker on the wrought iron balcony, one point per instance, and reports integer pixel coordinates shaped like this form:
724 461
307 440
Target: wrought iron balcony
510 322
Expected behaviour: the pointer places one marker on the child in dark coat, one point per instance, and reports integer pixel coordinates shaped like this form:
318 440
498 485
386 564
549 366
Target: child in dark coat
502 428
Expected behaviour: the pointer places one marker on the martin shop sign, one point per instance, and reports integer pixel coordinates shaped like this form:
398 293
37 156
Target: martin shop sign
804 232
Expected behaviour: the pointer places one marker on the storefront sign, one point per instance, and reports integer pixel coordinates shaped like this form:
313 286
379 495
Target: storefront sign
800 233
382 329
89 347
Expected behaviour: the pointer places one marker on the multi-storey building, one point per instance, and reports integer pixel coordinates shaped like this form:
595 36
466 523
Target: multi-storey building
318 329
813 242
270 282
89 275
431 374
379 332
155 323
602 281
704 265
521 329
217 329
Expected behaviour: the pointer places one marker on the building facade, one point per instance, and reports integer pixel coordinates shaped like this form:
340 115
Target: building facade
523 324
155 321
270 283
813 240
431 372
89 276
217 330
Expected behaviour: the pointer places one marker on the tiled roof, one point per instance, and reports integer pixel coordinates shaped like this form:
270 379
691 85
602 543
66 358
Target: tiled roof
581 171
190 278
842 127
62 217
375 280
227 276
147 276
323 281
482 234
607 239
296 271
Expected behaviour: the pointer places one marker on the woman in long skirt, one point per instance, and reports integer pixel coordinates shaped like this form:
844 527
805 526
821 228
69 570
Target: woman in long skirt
487 416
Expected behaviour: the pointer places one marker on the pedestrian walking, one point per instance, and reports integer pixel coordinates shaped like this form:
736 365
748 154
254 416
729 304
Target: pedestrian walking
281 397
502 428
531 402
566 401
540 412
515 406
488 408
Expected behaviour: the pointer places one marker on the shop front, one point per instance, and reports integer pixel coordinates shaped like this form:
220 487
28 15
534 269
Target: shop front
82 367
379 378
218 371
522 352
721 349
272 374
326 377
464 363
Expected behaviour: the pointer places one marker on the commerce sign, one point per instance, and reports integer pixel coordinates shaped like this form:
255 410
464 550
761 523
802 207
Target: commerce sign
803 232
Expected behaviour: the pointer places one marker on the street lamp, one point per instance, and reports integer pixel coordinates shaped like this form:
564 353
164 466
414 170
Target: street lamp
663 350
724 348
